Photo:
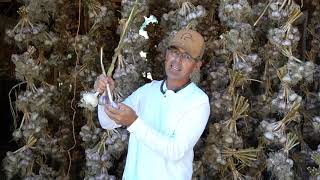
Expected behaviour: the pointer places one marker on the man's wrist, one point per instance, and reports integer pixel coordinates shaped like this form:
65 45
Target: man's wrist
134 125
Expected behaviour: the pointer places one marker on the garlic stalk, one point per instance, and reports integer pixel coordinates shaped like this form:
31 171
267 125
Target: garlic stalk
104 73
90 100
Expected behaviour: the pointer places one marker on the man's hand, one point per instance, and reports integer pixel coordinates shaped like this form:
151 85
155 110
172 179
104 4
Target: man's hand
122 116
100 84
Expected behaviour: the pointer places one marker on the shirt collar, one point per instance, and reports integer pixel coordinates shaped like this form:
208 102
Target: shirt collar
163 87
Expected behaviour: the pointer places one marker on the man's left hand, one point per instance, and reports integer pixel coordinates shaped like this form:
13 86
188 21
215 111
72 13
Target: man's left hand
124 115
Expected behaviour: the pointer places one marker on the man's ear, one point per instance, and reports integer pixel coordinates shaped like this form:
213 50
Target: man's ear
198 65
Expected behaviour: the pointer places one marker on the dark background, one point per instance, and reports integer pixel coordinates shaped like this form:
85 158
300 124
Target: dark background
8 17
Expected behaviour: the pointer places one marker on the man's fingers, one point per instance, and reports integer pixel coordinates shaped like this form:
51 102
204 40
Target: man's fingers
100 83
123 107
102 77
110 81
113 110
111 114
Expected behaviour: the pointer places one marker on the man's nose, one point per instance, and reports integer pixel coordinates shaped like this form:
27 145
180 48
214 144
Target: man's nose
179 58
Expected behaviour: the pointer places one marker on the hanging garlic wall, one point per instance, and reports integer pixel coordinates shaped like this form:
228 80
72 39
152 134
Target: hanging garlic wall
261 71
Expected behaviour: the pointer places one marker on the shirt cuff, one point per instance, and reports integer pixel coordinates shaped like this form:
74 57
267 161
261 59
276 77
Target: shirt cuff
135 125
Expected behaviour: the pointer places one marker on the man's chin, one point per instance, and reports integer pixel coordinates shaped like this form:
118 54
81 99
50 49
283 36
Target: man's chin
173 77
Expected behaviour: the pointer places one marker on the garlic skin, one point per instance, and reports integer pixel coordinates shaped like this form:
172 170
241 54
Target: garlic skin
89 100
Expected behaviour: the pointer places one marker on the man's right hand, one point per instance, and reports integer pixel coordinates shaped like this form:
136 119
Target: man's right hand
101 82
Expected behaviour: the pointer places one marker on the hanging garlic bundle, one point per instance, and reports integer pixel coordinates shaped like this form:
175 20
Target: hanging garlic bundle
284 38
18 163
103 148
221 103
279 10
238 39
218 138
101 156
280 166
270 136
25 29
41 99
84 44
50 146
237 43
187 14
130 65
28 67
97 163
90 135
285 99
218 76
232 12
316 123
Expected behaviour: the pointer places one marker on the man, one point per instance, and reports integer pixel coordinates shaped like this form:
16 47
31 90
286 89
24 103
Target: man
165 118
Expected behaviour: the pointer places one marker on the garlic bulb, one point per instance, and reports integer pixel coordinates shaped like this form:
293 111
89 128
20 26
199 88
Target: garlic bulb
89 100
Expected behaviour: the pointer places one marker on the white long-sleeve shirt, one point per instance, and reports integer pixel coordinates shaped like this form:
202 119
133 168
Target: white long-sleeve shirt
163 136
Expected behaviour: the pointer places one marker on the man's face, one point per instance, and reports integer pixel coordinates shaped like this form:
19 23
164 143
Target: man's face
179 64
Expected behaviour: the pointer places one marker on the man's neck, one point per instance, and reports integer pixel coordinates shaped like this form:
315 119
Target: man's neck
174 84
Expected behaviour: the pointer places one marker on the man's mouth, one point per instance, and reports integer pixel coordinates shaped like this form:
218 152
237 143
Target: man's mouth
175 68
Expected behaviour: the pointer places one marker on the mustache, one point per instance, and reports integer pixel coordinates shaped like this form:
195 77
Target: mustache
176 64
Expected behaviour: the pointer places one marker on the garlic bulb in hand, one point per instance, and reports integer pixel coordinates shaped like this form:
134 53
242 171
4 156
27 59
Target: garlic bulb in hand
89 100
105 100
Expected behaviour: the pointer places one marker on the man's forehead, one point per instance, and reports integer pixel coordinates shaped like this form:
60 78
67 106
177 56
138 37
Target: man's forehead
178 48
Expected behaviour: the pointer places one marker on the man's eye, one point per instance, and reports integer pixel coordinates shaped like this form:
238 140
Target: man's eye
186 56
174 51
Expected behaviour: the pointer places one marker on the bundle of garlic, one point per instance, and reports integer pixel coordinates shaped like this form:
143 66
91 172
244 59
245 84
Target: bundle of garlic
225 150
37 108
19 163
232 12
102 156
112 144
90 134
25 30
246 63
176 21
285 100
117 142
97 12
279 10
42 10
238 39
97 164
28 67
32 125
271 136
284 38
296 71
126 84
128 74
217 76
84 44
45 172
218 138
315 172
221 103
280 166
36 101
